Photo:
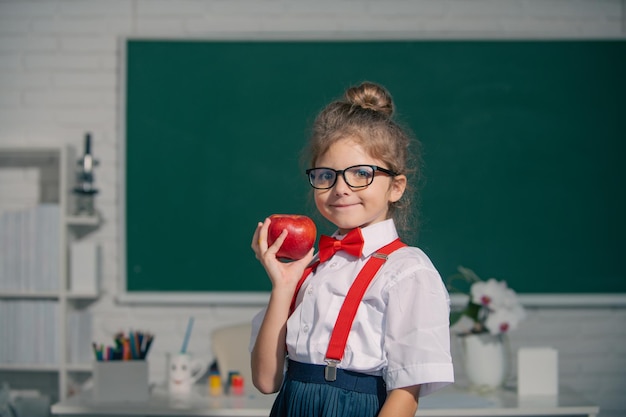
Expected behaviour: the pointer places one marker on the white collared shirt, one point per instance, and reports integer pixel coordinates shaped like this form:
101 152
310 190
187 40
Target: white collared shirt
401 329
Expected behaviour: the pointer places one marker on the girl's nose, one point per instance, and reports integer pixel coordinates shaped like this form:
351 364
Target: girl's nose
341 186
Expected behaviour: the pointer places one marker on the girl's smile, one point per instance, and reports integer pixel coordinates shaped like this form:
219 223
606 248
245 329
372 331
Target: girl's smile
343 205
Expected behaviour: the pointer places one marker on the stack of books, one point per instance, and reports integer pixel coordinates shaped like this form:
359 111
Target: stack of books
29 332
30 249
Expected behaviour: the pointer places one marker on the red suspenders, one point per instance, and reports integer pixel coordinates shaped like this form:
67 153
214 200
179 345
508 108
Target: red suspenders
343 324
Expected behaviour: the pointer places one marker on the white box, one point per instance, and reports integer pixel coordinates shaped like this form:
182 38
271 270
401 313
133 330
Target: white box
537 372
120 381
84 267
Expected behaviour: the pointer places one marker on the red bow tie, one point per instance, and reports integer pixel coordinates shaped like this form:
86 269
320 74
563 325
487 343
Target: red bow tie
352 243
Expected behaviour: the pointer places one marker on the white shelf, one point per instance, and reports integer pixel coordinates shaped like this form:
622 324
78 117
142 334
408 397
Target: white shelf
29 367
82 221
81 296
46 295
57 166
45 367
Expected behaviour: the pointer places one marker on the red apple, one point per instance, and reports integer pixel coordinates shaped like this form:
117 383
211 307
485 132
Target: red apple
301 235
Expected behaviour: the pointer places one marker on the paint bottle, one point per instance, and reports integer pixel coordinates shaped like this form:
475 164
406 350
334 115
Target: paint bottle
215 385
236 385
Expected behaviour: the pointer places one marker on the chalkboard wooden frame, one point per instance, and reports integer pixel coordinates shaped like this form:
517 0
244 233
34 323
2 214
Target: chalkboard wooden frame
480 118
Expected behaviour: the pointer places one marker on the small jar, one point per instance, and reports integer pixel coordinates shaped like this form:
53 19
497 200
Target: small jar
236 385
215 385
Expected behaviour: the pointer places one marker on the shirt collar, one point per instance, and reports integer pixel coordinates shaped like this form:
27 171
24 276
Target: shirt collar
376 236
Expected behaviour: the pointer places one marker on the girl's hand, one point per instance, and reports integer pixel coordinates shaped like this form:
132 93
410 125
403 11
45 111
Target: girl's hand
268 354
283 275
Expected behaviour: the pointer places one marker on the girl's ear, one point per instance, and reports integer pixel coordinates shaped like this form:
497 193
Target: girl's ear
398 185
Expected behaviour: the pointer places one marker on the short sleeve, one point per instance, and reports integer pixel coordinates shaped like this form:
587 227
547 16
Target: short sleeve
417 331
257 320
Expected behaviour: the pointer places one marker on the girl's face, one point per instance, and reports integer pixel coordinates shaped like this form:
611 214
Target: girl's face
347 207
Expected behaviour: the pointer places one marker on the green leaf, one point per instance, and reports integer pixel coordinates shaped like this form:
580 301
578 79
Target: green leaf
456 316
472 310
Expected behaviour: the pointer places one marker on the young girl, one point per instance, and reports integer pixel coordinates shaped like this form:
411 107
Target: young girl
380 351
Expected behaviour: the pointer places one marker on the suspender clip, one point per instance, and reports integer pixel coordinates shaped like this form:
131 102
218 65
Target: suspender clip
330 372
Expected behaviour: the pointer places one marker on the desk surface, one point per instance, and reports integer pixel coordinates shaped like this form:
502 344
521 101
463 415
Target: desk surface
452 401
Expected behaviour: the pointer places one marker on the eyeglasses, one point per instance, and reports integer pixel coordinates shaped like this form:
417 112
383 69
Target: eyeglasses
356 176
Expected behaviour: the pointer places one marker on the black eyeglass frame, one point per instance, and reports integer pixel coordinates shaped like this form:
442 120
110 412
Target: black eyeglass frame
343 174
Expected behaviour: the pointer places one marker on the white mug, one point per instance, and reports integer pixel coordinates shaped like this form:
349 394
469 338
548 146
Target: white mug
183 372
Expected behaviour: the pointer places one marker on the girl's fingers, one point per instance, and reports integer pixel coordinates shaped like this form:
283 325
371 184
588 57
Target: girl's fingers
255 237
277 243
262 237
259 240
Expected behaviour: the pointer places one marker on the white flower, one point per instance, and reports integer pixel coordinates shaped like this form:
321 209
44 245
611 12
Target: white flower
504 320
493 306
490 293
509 299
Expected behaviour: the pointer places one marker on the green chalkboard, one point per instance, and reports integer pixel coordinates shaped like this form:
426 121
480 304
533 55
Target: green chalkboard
523 146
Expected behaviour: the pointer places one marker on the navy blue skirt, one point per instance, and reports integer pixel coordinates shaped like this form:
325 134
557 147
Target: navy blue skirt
306 393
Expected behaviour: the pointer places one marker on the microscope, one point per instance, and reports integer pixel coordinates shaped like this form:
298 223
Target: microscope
85 190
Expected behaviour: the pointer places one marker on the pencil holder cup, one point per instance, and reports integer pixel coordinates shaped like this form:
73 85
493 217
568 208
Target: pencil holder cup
120 381
183 372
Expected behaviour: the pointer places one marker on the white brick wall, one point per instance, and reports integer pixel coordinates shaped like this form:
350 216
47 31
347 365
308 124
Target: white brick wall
59 77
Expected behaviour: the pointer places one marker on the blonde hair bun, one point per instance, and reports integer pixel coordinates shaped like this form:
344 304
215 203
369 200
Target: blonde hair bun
370 96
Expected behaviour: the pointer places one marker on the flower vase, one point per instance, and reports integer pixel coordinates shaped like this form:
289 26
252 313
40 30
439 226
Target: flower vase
487 360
